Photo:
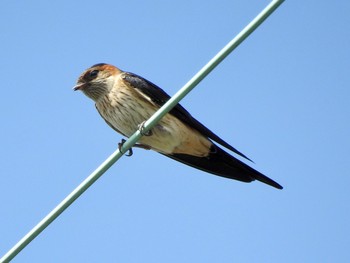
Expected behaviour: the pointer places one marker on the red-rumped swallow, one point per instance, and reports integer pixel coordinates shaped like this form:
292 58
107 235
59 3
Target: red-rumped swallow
125 100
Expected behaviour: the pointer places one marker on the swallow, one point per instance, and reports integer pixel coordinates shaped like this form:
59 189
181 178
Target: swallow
125 101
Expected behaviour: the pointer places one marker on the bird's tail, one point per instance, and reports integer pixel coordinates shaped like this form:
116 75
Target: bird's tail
221 163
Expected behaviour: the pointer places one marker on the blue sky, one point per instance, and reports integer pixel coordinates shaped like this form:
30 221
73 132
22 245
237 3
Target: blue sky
282 98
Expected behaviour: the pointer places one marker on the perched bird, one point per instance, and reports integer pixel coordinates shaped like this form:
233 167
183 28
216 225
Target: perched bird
125 100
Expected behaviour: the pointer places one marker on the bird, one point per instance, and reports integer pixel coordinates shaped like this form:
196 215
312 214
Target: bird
125 101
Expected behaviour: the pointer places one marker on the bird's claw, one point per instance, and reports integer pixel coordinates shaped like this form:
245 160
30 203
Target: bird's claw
120 145
141 129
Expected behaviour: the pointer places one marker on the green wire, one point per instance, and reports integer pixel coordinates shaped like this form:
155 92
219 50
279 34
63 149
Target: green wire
137 135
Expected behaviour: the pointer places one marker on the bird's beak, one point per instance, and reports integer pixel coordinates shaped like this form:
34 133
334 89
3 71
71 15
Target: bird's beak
79 86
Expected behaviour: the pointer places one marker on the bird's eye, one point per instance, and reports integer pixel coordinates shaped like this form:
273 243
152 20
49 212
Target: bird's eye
93 74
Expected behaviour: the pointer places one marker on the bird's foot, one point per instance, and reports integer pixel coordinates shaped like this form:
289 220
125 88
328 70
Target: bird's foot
141 129
120 145
130 152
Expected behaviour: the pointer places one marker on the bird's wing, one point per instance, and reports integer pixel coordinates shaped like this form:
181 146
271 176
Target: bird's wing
160 97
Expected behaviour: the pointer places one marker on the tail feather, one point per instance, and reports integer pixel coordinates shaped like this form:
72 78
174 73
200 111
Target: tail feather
221 163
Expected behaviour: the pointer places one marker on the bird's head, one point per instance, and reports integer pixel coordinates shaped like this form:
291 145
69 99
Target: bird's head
97 80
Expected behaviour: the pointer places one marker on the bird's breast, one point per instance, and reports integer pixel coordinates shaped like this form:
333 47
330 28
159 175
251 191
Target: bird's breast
125 110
